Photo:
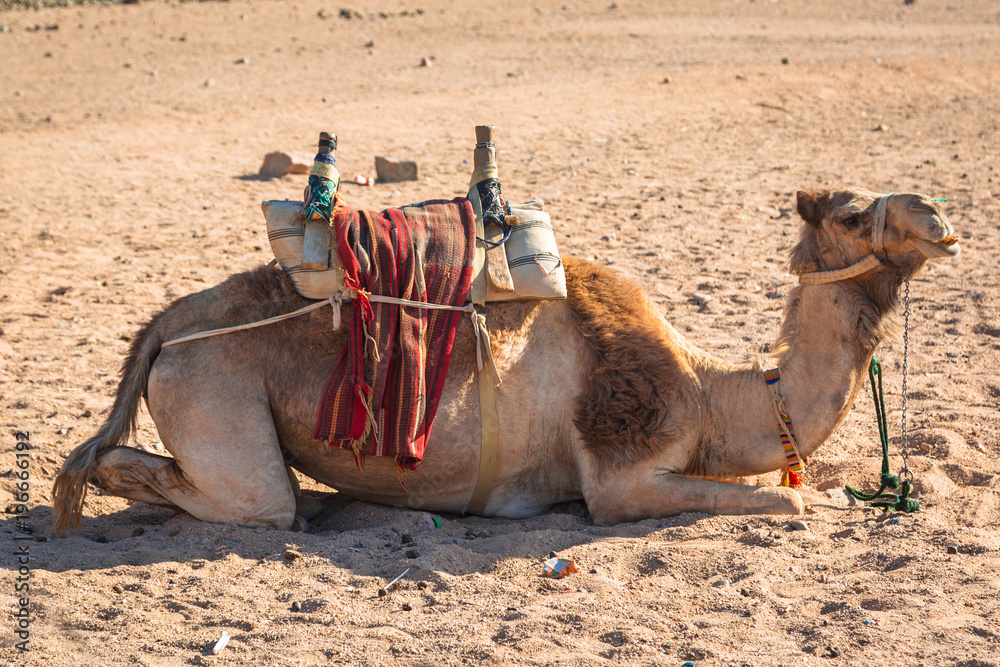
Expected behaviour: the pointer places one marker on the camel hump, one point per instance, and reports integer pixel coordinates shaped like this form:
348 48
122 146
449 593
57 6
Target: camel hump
637 400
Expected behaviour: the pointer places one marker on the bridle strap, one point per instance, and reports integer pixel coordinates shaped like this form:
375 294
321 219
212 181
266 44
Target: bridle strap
872 261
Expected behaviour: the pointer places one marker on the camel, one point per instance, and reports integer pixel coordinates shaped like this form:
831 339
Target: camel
601 398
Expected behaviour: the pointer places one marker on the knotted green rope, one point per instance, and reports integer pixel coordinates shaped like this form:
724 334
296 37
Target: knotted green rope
900 502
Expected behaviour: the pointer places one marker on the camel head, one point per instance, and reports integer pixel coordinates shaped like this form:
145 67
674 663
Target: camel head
858 231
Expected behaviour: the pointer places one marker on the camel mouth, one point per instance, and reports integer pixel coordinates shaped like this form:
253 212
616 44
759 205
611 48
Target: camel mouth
946 247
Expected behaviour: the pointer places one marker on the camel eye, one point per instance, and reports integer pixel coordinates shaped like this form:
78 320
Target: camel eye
852 222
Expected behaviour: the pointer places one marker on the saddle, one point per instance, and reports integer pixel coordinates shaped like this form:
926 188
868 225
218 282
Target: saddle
516 252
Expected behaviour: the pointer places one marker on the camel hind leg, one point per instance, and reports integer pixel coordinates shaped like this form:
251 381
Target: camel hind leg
227 465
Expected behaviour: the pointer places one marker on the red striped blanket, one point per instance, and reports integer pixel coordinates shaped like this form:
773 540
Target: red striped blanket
381 398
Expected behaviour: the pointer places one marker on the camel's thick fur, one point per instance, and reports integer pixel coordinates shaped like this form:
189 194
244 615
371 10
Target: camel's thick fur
601 398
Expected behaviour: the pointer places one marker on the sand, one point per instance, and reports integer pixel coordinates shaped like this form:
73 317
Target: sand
668 140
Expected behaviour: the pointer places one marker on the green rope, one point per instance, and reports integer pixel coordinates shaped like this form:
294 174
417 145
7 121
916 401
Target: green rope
900 502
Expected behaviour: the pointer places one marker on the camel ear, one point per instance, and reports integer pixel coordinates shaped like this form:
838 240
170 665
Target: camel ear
809 207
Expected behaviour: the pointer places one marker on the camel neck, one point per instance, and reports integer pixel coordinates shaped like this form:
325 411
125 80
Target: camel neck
822 357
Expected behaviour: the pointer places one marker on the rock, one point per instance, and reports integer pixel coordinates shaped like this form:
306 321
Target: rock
841 497
412 553
833 651
609 237
391 170
407 606
952 549
700 298
799 525
426 522
785 61
296 606
292 554
422 585
425 62
745 592
118 588
280 163
881 128
593 570
722 583
406 538
382 592
138 531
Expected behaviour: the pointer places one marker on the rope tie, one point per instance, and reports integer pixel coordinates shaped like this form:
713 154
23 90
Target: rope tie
865 265
900 502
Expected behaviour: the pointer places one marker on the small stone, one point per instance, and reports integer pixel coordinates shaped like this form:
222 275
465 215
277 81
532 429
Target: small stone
593 570
785 61
296 606
666 79
393 169
136 532
406 538
422 585
174 532
952 549
279 163
722 583
292 554
241 61
700 298
799 525
744 592
172 580
881 128
412 553
407 606
382 592
833 651
425 62
118 588
609 237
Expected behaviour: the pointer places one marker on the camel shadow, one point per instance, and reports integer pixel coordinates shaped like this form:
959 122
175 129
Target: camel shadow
365 539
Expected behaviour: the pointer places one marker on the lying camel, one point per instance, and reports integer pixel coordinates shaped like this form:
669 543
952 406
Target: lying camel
601 398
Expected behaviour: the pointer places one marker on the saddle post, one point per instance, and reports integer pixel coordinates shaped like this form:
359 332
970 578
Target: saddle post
324 180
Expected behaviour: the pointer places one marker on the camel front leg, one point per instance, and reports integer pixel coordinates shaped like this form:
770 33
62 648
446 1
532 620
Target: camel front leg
644 492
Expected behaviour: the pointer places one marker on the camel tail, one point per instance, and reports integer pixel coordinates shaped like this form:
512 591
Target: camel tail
70 488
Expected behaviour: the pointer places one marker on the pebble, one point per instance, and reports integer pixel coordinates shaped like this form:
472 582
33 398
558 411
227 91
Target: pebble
594 570
953 550
412 553
292 554
700 298
382 592
833 651
799 525
785 61
406 538
745 592
407 606
722 583
881 128
174 532
422 585
138 531
296 606
118 588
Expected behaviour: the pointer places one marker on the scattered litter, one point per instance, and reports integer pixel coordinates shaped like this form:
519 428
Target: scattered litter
221 644
557 568
361 180
388 587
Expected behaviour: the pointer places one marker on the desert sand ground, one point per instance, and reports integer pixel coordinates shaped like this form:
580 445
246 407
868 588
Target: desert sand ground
668 140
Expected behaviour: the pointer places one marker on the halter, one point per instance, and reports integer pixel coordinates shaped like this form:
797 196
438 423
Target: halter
872 261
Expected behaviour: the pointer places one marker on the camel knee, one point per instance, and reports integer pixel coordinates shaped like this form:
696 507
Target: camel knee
130 473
